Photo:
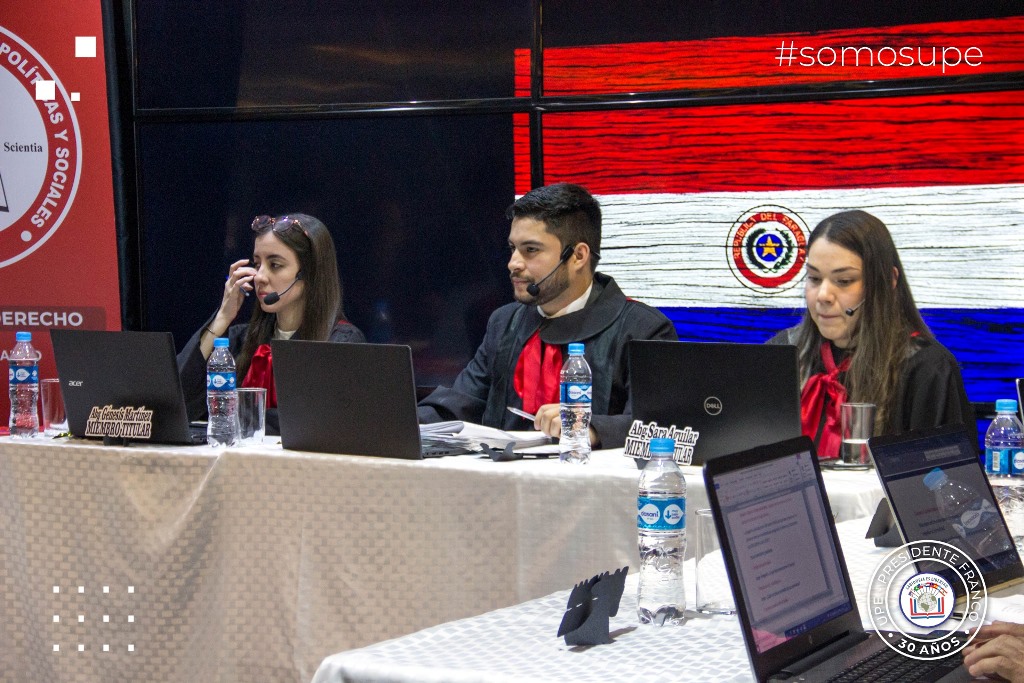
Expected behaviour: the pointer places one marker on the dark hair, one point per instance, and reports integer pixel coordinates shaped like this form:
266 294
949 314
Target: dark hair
569 213
311 241
889 320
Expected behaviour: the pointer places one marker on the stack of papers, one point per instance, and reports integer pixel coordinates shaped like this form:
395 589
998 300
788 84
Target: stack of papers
470 435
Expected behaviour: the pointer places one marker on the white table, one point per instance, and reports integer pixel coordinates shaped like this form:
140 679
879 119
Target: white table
518 644
255 564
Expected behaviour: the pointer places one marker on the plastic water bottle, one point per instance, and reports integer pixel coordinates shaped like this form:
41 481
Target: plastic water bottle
576 394
221 396
1004 462
23 386
972 516
1004 442
661 531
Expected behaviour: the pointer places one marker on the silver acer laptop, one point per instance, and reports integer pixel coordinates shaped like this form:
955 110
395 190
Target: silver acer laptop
731 396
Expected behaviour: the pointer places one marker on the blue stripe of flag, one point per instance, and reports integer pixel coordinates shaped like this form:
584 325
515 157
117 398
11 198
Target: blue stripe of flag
988 343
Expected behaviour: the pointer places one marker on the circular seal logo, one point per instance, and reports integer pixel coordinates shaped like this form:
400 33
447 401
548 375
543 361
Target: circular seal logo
767 248
914 589
712 405
40 152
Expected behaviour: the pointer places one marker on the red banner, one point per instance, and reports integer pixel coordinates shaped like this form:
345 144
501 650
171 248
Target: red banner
58 255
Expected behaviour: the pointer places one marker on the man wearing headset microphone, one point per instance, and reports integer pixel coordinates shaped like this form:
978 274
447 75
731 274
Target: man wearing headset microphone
555 242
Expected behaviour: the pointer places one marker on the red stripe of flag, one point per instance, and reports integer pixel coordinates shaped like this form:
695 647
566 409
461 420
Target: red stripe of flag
975 138
742 62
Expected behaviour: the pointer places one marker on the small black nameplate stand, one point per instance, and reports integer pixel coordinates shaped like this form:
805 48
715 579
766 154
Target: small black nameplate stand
591 604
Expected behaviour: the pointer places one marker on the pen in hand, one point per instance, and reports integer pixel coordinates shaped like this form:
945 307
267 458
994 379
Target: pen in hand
521 413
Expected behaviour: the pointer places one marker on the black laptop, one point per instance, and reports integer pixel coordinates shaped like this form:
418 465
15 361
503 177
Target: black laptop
111 381
903 463
730 396
353 399
795 604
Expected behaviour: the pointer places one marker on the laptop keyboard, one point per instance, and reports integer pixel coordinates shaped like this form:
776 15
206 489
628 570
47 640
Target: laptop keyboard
887 666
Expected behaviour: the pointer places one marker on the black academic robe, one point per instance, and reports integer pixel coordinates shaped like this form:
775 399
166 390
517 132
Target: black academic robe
484 389
931 389
192 368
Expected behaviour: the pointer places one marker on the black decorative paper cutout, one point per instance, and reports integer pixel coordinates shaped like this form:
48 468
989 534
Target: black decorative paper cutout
591 604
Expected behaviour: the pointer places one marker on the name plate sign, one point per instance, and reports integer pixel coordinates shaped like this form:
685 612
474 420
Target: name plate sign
126 422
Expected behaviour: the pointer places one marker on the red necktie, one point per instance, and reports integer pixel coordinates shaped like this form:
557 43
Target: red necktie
820 389
538 373
261 373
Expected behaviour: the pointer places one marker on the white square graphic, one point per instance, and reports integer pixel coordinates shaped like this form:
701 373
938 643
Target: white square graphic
81 589
46 91
131 589
106 647
81 618
56 589
56 618
106 589
76 97
106 618
131 648
131 618
56 647
81 647
85 46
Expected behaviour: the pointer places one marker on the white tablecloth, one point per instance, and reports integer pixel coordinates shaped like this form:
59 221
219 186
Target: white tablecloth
518 644
255 564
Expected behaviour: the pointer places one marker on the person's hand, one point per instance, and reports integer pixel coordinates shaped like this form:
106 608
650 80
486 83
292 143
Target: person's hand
997 650
240 277
549 420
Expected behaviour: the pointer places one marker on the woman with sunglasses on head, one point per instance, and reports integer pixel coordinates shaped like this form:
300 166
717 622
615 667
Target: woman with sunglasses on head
294 276
863 340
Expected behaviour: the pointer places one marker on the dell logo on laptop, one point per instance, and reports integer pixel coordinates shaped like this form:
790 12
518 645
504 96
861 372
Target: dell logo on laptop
712 405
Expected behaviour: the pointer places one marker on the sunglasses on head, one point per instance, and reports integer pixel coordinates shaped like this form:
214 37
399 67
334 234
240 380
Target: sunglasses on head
278 225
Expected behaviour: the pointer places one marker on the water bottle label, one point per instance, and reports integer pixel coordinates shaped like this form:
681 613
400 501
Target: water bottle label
23 374
220 381
573 392
1018 463
998 460
661 514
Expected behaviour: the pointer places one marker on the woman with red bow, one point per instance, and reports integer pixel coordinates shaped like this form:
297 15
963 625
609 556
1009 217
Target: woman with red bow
294 275
863 340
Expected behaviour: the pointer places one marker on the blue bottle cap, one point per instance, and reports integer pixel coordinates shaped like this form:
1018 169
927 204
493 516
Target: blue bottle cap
662 446
576 349
27 337
220 343
935 479
1006 405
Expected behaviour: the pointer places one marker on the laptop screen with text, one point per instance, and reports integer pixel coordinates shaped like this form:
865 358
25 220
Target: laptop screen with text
782 548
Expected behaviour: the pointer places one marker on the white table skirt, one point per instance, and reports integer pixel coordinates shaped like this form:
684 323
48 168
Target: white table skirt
518 644
255 564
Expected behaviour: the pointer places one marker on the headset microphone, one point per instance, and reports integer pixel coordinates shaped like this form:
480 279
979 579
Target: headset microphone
274 297
851 309
533 289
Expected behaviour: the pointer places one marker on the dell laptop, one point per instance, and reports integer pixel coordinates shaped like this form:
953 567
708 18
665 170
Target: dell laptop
353 399
122 385
730 396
